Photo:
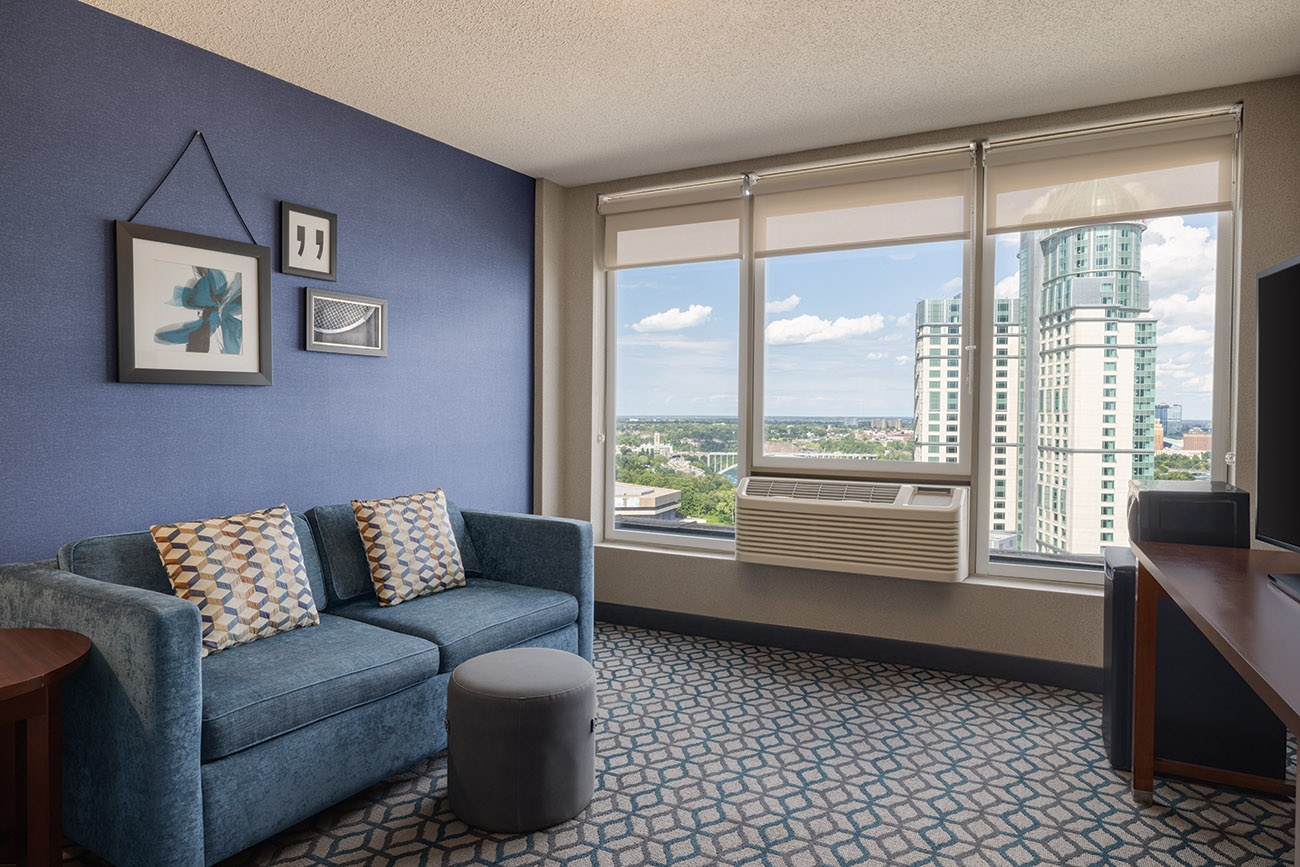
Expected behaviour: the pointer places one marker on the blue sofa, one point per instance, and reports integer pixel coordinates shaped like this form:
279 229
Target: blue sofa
173 759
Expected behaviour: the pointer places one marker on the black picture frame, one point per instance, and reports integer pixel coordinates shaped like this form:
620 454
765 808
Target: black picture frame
294 217
345 323
149 296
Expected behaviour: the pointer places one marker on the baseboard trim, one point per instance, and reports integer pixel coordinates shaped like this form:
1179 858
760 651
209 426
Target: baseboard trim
1064 674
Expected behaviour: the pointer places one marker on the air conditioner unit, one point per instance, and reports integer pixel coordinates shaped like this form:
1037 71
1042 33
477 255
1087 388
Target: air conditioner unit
903 531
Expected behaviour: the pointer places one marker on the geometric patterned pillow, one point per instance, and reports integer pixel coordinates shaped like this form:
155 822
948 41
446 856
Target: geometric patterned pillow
245 573
410 546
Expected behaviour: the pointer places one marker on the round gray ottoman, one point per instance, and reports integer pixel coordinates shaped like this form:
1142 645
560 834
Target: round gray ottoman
521 742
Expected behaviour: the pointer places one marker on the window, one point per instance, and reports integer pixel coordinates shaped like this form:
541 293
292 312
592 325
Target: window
674 324
859 282
832 304
1156 191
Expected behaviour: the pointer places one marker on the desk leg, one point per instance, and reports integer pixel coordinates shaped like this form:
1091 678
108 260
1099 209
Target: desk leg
1144 685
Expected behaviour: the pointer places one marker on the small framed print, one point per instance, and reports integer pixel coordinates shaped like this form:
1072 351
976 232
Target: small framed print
350 324
191 308
309 242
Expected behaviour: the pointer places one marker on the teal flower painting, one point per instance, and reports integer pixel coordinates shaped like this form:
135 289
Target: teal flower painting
217 298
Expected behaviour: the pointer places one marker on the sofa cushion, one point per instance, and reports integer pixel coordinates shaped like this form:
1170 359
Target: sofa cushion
244 572
466 621
410 546
254 692
132 559
343 556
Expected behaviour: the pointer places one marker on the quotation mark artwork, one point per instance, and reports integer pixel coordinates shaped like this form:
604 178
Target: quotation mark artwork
320 243
308 242
218 300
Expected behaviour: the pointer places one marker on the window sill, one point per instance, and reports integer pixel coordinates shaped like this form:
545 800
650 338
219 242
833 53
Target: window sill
651 548
1051 585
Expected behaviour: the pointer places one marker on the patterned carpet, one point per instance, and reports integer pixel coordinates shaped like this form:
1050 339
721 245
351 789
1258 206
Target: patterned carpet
714 752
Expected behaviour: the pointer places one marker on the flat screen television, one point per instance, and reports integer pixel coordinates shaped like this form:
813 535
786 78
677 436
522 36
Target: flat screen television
1277 405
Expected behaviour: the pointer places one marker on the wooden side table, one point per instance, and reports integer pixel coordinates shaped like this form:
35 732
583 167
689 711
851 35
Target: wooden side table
33 664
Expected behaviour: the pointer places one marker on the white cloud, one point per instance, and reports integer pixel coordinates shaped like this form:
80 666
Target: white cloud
1008 286
814 329
951 285
1179 309
876 356
1179 259
678 344
900 360
1184 357
672 320
904 319
783 305
903 257
1185 334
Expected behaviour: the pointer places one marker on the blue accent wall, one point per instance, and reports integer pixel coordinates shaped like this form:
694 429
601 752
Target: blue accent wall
93 109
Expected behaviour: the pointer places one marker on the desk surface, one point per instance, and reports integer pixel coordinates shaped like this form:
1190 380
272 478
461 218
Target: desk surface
1227 594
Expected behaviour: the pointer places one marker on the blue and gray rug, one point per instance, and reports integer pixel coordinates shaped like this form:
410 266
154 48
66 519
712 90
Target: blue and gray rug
718 753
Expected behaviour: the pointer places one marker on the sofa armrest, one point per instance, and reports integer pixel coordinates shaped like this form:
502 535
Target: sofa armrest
553 553
131 714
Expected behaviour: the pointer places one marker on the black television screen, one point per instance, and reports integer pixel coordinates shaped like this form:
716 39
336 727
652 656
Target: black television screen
1277 409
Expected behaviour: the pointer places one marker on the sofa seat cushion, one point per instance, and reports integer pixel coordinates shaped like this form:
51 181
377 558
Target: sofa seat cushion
257 691
465 621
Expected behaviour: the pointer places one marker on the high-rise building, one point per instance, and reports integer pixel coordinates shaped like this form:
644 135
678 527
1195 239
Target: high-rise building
938 393
937 380
1073 383
1008 445
1088 407
1171 416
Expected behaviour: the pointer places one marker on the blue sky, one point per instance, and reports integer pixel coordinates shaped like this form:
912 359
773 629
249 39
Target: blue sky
840 331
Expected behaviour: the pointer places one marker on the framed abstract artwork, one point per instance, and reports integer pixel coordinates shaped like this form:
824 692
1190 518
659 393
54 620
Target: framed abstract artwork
309 242
350 324
191 308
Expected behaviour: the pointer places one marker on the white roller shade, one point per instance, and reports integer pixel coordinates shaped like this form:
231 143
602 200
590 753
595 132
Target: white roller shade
667 197
664 236
893 201
1173 167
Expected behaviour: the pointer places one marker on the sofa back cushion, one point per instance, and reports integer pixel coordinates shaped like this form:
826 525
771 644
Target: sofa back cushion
133 559
343 555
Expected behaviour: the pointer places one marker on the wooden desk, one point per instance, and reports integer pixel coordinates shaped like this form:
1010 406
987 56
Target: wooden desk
1226 593
33 663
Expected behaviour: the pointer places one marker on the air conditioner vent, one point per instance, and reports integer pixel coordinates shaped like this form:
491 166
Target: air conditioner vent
800 489
904 531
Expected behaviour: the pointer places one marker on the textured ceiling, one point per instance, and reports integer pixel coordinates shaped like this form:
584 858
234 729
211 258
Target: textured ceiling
587 90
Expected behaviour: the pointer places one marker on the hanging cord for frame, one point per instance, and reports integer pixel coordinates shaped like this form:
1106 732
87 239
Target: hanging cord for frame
198 134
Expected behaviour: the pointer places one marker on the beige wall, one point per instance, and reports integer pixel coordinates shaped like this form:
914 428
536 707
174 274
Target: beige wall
1062 625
